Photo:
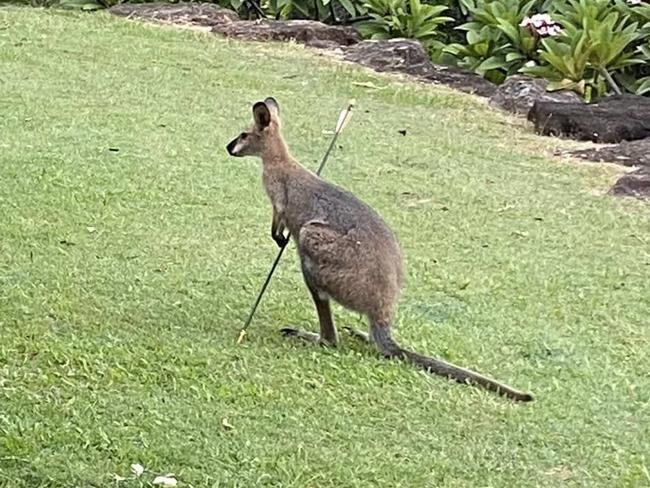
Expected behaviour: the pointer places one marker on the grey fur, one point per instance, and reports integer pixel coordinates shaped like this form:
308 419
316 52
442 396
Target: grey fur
347 252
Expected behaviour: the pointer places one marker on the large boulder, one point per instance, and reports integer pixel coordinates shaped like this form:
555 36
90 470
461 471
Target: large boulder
311 33
614 119
519 93
203 14
635 184
408 56
402 55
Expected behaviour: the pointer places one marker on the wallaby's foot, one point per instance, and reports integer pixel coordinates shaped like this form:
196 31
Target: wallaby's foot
307 336
358 334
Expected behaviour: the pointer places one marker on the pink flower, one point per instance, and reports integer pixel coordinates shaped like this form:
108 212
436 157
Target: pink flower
542 25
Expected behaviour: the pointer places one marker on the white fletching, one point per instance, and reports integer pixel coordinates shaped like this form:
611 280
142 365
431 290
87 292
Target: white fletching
344 117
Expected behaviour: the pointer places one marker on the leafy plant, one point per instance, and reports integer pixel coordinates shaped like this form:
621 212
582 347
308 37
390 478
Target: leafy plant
404 18
496 46
480 53
636 79
596 41
564 61
332 11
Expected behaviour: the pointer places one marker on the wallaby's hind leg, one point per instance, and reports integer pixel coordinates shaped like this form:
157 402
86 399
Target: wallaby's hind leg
313 240
381 336
327 329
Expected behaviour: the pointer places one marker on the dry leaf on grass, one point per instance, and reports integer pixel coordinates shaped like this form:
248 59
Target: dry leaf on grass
368 84
165 481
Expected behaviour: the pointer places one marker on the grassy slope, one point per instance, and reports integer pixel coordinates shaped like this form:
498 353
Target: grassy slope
124 277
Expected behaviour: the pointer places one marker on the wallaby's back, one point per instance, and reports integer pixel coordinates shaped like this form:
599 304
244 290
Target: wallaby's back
358 256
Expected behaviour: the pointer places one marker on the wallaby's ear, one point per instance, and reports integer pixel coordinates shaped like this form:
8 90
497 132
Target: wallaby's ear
262 115
273 105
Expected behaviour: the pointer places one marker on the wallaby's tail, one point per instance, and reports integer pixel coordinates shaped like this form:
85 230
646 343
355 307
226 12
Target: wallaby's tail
381 336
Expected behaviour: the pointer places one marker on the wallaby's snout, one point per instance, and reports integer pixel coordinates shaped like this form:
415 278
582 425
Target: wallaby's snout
232 147
265 127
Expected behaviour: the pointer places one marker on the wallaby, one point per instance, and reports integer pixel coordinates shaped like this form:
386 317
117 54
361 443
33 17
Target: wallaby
347 252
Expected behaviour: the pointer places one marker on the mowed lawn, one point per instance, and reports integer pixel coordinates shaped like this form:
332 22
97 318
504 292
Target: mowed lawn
131 248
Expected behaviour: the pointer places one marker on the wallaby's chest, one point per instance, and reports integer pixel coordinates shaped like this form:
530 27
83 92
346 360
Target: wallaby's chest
275 186
291 195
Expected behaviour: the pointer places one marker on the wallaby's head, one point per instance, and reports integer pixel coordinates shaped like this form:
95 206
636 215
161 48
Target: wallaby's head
264 131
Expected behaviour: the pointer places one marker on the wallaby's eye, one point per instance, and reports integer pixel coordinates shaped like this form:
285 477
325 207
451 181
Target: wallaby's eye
243 135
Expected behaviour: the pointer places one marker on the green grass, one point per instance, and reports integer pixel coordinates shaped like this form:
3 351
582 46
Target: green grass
125 276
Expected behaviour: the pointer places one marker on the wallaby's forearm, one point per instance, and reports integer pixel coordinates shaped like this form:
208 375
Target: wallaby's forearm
277 230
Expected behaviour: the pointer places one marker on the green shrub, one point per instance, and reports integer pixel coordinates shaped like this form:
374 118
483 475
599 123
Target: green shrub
597 40
637 78
590 46
495 46
404 18
329 11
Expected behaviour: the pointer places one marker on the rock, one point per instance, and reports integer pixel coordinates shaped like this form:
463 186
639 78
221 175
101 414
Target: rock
627 153
408 56
227 23
519 93
203 14
402 55
614 119
635 184
306 32
462 80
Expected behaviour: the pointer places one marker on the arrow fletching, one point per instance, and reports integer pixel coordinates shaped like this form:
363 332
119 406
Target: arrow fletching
344 117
